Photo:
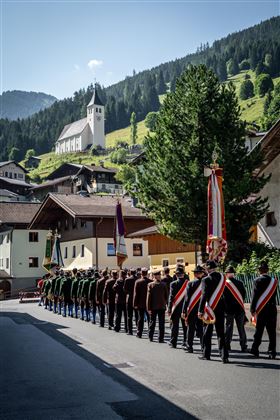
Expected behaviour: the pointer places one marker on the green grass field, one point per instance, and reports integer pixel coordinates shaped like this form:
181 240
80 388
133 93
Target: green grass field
124 135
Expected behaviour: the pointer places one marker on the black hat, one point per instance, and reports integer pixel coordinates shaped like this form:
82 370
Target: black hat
210 264
230 269
198 269
263 266
180 270
96 275
155 272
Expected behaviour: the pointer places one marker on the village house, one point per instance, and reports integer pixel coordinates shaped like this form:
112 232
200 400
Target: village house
268 229
86 226
82 134
13 180
21 250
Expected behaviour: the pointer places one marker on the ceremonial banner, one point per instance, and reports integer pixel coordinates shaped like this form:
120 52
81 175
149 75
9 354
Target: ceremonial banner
216 235
48 252
56 260
264 298
119 233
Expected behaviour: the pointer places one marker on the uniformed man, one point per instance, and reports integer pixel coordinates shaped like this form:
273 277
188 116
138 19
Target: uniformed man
57 288
120 301
157 297
175 306
213 283
92 295
84 295
129 284
167 279
109 296
54 295
190 308
65 293
140 300
234 295
76 278
264 310
99 297
47 288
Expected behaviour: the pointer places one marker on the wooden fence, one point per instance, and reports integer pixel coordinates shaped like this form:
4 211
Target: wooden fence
248 283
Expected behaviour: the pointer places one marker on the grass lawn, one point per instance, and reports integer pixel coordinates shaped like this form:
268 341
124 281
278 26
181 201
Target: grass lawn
124 135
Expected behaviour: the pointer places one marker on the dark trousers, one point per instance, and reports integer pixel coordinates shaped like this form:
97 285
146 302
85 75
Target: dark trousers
93 311
129 311
160 313
120 309
220 331
111 314
194 325
266 320
239 318
175 321
101 310
140 323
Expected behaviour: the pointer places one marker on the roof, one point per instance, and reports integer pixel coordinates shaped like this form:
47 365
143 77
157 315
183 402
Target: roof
18 213
95 100
101 169
51 182
88 208
35 157
152 230
15 182
8 162
270 147
73 129
7 193
74 166
139 158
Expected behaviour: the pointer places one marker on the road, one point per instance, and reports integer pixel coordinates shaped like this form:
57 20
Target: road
62 368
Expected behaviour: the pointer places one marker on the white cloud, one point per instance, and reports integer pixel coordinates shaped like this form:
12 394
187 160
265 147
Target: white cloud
93 64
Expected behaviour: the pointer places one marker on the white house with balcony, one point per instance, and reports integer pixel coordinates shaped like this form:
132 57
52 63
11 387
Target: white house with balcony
82 134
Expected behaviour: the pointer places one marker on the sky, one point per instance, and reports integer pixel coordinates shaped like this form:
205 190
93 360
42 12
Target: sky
58 47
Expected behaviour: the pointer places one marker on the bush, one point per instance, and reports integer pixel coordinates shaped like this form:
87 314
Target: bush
122 144
251 265
263 84
232 67
244 65
119 156
246 90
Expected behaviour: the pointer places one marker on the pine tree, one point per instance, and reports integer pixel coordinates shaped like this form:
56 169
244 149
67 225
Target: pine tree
160 84
246 89
222 70
198 117
133 129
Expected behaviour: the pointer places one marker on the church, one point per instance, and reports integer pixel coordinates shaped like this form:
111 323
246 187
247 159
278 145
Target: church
82 134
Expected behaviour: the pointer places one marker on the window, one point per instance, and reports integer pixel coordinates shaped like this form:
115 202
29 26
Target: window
33 237
20 176
82 250
96 109
111 252
7 262
15 176
270 219
65 252
116 186
180 260
100 110
66 224
6 174
33 262
10 175
83 224
165 263
137 250
74 223
74 252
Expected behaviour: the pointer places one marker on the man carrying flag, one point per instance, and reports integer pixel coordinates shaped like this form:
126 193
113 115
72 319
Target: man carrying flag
119 233
264 311
234 295
48 252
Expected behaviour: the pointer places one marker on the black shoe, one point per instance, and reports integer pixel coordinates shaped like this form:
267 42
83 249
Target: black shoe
109 328
203 358
129 333
151 340
225 361
94 322
254 352
138 336
161 341
184 345
271 355
189 349
244 349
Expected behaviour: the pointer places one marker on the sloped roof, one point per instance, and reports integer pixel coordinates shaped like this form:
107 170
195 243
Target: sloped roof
15 182
17 213
152 230
7 193
73 129
101 169
13 161
51 182
95 100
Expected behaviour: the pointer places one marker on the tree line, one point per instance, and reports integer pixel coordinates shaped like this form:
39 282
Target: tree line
256 48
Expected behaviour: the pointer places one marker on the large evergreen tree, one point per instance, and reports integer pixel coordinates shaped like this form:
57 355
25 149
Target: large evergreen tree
200 116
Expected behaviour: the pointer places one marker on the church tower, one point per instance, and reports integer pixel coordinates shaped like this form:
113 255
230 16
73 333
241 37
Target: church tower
96 120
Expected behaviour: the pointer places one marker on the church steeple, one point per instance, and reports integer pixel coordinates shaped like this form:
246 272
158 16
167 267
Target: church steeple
95 100
96 119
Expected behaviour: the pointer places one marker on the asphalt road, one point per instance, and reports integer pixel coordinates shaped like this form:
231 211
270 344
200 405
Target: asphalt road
62 368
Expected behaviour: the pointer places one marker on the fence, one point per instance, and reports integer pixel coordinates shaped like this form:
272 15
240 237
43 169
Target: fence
248 283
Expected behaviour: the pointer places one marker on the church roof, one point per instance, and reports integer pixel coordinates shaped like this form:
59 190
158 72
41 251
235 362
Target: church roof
73 129
95 100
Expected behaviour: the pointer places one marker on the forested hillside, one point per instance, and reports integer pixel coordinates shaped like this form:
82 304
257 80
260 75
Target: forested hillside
256 49
19 104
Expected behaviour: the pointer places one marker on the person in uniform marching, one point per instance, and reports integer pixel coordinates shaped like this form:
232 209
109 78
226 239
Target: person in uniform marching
120 301
167 279
264 310
212 284
157 297
80 299
109 296
190 308
46 290
58 283
74 290
99 297
65 293
234 296
175 306
54 295
84 294
139 300
92 295
129 284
